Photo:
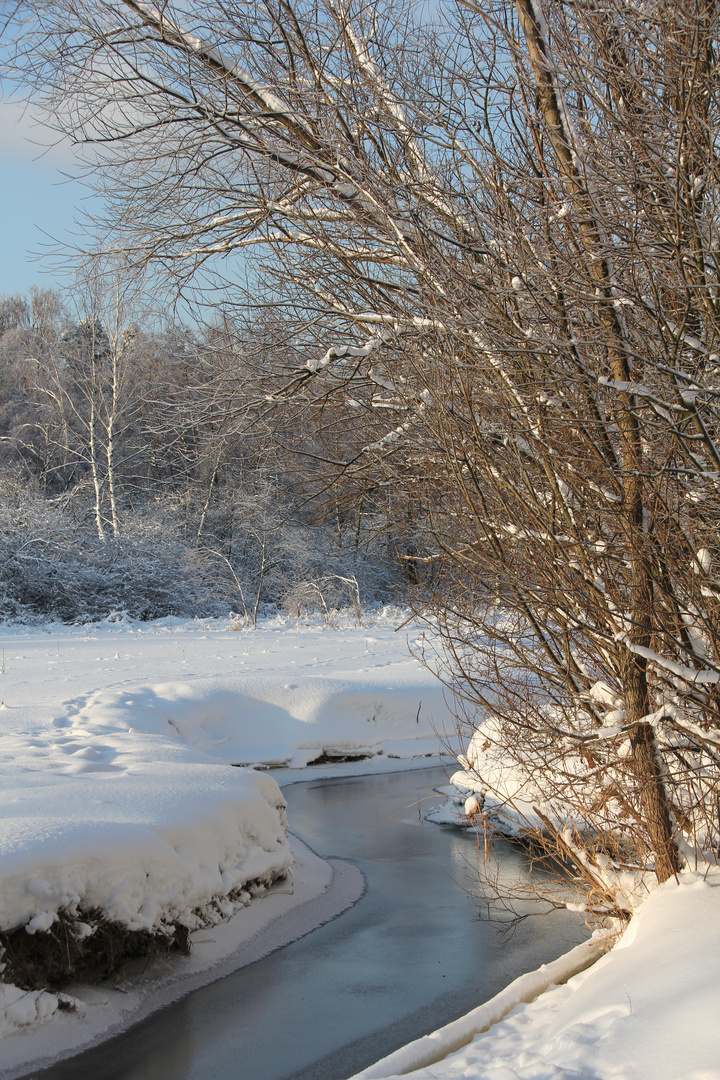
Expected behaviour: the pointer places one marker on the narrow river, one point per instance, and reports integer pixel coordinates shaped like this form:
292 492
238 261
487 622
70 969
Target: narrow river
411 955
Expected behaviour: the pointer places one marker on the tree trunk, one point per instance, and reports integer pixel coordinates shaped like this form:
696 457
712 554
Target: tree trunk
655 805
97 482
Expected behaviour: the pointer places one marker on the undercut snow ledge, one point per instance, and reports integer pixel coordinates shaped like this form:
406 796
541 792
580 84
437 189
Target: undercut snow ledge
152 845
318 891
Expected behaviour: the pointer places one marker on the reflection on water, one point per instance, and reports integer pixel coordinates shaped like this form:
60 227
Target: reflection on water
410 956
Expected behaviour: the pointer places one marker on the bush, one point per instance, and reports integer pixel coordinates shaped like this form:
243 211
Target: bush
52 566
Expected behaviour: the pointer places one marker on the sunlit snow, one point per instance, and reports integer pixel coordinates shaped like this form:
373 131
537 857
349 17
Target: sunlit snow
118 740
118 791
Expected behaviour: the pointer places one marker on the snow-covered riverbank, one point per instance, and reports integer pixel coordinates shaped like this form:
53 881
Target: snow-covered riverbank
116 793
647 1009
318 891
118 802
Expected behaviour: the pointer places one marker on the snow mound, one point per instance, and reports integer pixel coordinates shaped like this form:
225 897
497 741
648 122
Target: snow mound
268 720
149 839
500 784
24 1008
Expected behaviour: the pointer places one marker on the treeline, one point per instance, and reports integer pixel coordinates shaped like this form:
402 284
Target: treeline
140 471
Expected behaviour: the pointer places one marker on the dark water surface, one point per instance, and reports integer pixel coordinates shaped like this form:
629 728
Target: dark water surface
410 956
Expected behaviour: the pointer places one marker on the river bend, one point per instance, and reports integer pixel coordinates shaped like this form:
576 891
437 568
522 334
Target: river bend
410 956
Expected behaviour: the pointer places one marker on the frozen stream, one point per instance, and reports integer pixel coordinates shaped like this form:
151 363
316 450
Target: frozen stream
410 956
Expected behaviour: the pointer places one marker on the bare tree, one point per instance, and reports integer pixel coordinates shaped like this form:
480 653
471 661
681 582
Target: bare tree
497 239
87 382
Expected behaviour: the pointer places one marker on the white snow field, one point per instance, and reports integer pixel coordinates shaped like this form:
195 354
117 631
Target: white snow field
117 794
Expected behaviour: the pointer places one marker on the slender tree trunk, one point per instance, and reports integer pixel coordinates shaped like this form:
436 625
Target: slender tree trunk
110 456
261 579
653 795
211 488
110 434
97 482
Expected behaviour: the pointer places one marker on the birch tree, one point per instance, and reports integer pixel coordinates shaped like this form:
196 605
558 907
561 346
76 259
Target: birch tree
83 375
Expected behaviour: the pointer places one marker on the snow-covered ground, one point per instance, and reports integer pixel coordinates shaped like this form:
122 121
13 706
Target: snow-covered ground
117 794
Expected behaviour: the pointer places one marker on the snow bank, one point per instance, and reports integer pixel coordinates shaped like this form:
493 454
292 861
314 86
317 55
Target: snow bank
488 766
117 793
317 892
150 842
274 719
648 1008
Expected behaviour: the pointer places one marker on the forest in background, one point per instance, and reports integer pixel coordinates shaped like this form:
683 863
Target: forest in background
141 470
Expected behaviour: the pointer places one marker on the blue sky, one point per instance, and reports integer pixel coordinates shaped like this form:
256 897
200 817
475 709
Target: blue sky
37 202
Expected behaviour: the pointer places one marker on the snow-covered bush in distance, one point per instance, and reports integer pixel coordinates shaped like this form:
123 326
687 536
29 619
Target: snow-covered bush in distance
51 566
330 594
298 567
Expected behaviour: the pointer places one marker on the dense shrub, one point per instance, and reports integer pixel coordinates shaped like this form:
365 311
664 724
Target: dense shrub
52 564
